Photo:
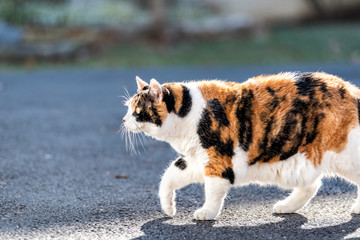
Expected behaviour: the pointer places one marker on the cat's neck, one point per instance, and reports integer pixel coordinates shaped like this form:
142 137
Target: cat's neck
181 131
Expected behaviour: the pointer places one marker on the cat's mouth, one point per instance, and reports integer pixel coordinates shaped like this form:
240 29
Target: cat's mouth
132 127
130 124
129 132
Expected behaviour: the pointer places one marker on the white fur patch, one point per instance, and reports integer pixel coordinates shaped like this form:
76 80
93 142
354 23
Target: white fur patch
297 171
183 135
347 162
294 172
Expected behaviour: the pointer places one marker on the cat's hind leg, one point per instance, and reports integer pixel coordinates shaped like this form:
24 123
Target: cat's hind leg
354 147
180 173
348 164
297 199
355 178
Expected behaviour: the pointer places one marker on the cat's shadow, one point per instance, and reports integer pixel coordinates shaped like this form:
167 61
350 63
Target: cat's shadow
288 228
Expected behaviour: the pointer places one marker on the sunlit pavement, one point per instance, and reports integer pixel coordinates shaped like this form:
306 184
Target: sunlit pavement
65 172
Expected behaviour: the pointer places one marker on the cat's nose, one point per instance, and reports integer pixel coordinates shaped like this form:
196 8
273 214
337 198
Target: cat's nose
124 120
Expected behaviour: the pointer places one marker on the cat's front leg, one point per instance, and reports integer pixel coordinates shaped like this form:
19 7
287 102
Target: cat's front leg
180 173
216 189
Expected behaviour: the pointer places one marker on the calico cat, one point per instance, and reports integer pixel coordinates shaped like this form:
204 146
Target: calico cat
288 129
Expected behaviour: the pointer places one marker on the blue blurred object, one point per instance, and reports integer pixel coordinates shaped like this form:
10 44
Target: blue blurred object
10 35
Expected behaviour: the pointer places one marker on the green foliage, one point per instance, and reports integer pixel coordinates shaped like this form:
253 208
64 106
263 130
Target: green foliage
339 43
14 12
323 43
55 13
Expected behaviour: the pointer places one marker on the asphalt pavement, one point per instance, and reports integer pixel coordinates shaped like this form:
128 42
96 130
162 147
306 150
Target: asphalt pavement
65 172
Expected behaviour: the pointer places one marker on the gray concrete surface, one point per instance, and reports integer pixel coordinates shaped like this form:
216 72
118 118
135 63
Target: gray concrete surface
60 154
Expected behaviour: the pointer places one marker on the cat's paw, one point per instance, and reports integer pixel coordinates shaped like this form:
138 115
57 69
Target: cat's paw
203 214
356 208
168 205
283 207
169 209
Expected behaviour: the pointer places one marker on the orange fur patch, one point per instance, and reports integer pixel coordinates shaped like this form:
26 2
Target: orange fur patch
177 92
311 116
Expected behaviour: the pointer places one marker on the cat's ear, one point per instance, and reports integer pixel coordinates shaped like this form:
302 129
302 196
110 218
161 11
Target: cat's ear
155 90
140 84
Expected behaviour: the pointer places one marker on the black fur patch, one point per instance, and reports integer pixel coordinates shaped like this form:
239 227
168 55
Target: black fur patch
142 117
293 131
323 87
180 163
342 92
218 112
186 102
305 84
244 114
210 138
265 152
230 100
311 135
229 175
271 91
169 99
275 102
204 131
157 119
148 111
145 88
226 148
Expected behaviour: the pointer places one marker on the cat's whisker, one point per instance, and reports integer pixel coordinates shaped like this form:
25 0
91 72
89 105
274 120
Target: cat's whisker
131 139
136 137
126 136
141 140
126 97
128 139
127 94
145 140
121 129
134 143
130 144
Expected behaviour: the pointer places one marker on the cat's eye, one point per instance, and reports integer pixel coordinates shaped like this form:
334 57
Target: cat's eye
138 110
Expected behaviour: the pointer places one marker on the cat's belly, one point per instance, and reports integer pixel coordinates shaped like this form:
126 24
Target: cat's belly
295 171
298 171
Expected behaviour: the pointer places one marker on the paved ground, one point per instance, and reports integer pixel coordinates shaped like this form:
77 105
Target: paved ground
61 159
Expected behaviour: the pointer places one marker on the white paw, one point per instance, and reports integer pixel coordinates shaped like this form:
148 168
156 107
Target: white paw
203 214
168 205
282 207
169 209
356 208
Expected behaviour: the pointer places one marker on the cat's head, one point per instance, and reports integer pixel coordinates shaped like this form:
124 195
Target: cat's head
146 109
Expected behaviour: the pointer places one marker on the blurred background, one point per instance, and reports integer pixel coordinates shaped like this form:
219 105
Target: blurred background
130 33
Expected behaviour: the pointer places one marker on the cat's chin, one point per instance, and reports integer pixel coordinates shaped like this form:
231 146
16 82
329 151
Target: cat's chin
136 131
133 130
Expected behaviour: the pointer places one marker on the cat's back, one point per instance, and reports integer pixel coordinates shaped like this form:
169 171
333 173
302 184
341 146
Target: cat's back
287 83
312 84
272 117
